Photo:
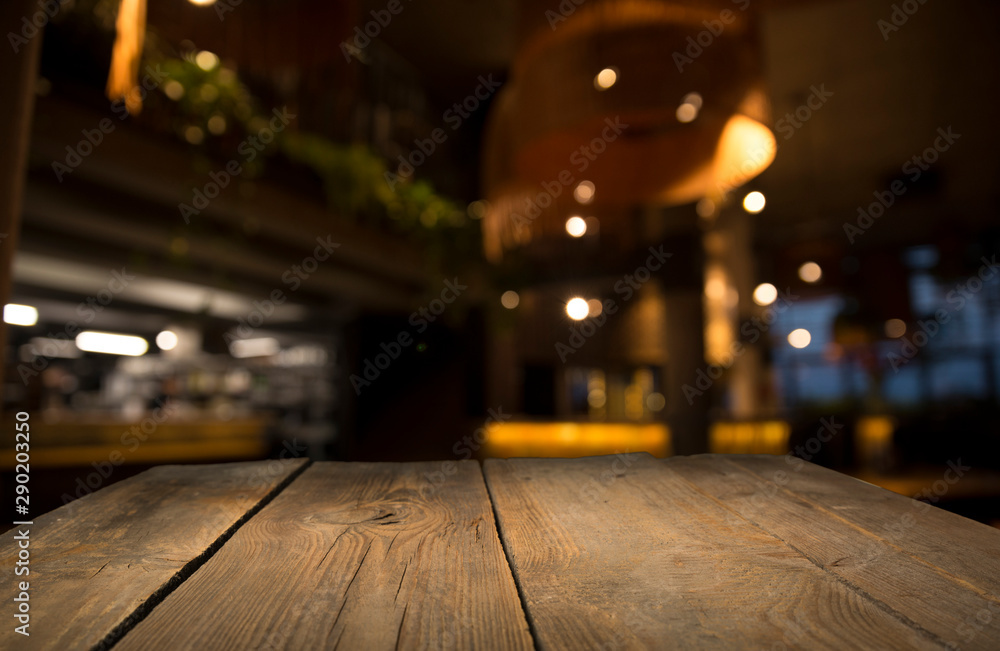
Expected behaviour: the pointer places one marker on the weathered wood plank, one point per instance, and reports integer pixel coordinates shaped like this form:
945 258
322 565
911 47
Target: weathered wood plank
933 567
622 551
354 556
94 561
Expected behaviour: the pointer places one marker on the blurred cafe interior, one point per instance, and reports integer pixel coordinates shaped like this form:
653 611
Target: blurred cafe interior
397 230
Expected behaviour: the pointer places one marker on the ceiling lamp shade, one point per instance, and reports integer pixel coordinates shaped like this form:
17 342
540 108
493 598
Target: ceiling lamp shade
653 101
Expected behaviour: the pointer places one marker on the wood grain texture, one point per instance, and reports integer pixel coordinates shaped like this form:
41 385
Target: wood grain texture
935 568
95 560
623 552
353 556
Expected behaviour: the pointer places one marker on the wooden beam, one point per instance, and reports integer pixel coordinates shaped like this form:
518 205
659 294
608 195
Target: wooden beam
18 70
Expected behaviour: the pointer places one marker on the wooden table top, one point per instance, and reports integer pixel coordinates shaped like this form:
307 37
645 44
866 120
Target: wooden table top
623 551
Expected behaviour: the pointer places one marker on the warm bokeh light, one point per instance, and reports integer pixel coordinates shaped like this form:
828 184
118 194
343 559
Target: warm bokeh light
715 288
895 328
166 340
765 294
705 208
22 315
111 344
194 135
202 3
810 272
655 401
746 148
577 309
873 439
597 398
576 226
757 437
510 299
524 439
605 79
799 338
477 209
754 202
694 99
594 307
173 89
217 124
206 60
686 112
584 192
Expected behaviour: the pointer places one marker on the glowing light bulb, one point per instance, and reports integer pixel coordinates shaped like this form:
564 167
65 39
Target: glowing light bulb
584 192
576 226
605 79
799 338
686 112
765 294
810 272
754 202
577 309
166 340
22 315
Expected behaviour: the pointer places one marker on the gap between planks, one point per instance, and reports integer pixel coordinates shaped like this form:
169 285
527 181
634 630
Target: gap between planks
145 608
528 615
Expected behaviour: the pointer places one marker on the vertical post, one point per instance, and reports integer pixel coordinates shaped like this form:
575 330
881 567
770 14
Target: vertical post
686 414
688 420
18 70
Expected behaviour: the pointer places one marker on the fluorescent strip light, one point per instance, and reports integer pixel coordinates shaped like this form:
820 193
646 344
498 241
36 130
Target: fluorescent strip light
242 348
22 315
111 344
